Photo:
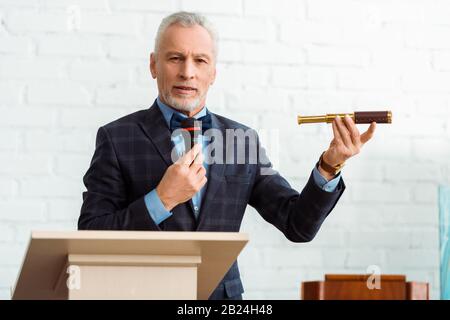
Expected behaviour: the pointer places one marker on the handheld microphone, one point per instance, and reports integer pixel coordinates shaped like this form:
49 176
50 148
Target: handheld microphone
193 128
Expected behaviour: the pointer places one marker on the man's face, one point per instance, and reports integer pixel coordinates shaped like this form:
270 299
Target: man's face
184 67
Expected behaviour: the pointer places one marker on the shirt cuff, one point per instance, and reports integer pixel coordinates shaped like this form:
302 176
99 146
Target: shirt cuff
155 207
321 182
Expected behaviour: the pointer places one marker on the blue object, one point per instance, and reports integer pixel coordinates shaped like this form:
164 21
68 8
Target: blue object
444 231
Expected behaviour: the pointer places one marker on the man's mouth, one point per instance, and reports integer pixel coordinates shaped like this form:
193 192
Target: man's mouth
183 89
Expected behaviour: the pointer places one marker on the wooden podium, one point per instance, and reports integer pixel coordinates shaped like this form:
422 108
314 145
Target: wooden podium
354 287
126 264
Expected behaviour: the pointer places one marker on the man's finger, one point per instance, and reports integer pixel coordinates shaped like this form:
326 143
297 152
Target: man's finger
366 136
344 133
354 132
337 135
189 157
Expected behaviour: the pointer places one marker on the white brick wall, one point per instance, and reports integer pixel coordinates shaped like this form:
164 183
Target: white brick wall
60 79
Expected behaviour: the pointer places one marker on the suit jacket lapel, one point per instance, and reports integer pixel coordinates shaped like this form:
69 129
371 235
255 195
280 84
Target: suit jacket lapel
155 127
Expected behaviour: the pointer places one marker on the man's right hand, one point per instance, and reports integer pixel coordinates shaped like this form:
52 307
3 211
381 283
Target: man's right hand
182 179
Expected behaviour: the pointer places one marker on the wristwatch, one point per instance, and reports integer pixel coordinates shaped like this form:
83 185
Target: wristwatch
334 170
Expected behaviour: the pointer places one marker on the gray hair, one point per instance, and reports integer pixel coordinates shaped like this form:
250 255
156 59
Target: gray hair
187 19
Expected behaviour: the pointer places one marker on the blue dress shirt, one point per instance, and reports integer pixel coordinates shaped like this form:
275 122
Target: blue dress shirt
153 203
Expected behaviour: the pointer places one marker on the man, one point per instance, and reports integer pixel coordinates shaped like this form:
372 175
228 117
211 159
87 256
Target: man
134 184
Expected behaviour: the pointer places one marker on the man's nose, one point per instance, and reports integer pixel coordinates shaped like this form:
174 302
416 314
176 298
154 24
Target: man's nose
187 70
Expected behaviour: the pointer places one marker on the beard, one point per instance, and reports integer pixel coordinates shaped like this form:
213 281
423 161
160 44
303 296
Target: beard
182 104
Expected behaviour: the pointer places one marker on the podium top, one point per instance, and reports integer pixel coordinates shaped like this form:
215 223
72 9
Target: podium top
140 235
48 251
363 277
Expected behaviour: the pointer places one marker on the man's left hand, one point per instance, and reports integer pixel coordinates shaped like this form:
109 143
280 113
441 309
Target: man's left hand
347 141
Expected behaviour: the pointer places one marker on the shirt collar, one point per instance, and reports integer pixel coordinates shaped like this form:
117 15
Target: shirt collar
168 111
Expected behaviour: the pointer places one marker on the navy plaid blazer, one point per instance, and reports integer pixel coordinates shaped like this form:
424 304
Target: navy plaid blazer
132 155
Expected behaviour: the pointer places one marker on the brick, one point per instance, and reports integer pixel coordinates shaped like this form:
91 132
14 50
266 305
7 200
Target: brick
8 276
126 96
327 238
437 150
16 45
303 77
236 76
58 94
7 232
231 7
143 5
9 140
425 193
66 45
29 21
359 169
402 11
402 172
311 103
74 166
424 238
375 192
293 257
25 164
282 76
93 118
84 5
110 23
243 29
64 210
19 3
413 258
280 9
12 94
8 187
273 54
257 99
230 51
309 32
34 117
329 10
366 79
130 49
19 210
365 258
50 187
76 140
401 60
408 215
95 73
432 104
426 82
437 13
371 36
431 37
380 239
26 69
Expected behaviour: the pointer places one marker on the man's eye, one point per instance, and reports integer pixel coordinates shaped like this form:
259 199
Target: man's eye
175 58
201 61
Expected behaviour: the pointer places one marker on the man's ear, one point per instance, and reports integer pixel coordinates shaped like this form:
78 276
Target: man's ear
153 65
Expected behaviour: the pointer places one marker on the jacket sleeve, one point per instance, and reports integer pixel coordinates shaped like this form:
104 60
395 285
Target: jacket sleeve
105 204
297 215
